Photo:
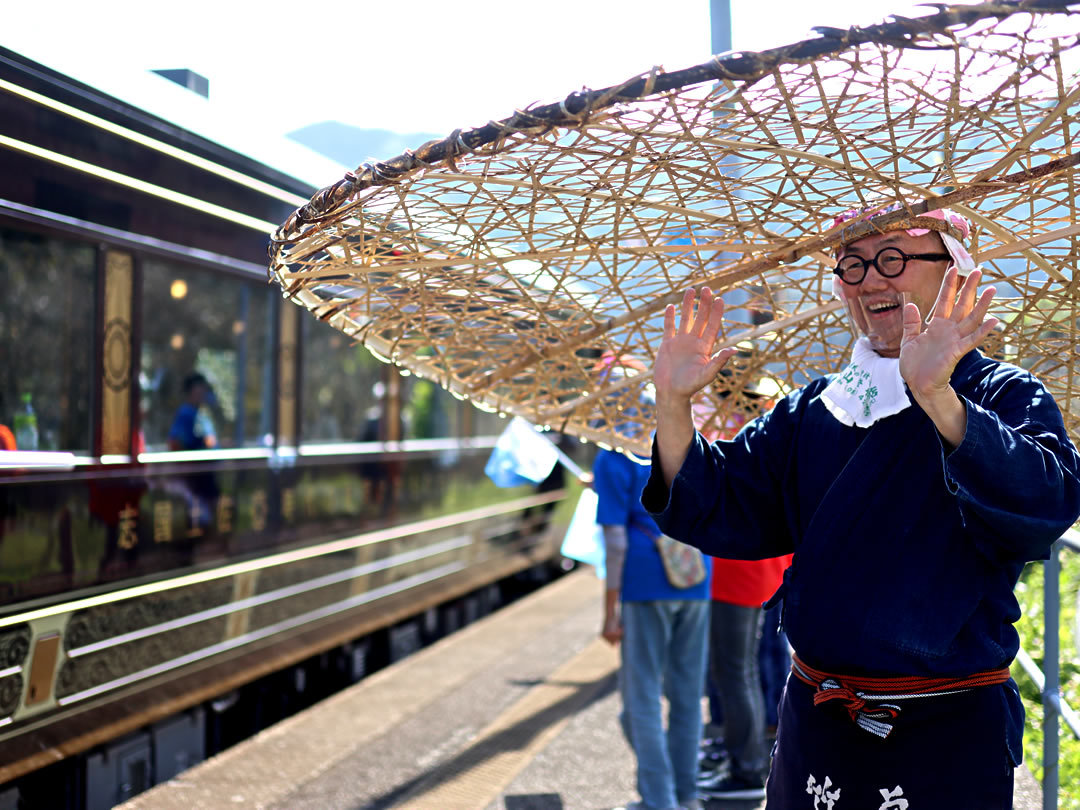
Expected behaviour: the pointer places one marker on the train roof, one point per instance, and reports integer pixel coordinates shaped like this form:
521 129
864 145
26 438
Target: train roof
142 99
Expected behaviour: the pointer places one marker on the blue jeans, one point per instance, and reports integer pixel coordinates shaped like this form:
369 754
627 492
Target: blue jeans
664 654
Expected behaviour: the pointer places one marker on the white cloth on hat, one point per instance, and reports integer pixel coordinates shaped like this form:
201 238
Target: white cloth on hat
868 389
962 261
961 258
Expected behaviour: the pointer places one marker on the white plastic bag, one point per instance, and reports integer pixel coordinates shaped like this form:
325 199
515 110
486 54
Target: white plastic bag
584 539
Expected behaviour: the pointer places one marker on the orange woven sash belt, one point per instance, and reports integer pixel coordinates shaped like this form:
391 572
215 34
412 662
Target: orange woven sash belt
868 700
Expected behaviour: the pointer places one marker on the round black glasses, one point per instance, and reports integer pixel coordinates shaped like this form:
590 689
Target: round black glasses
890 262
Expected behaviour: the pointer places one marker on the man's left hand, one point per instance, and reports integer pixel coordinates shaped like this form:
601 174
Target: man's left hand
959 324
929 356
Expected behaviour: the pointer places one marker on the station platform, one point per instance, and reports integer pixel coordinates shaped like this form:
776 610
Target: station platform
518 711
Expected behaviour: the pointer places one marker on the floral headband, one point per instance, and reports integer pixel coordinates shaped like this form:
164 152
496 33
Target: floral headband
955 228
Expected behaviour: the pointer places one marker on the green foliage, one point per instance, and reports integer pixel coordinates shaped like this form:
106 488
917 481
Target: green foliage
1029 592
420 410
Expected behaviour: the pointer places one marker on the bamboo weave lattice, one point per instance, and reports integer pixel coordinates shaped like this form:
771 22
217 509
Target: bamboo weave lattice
511 262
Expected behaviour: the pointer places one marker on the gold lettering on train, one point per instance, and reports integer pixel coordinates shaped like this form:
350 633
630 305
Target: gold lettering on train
163 522
288 504
349 498
225 508
259 509
128 527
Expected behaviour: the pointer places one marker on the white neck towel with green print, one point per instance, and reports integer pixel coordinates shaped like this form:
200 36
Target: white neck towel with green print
868 389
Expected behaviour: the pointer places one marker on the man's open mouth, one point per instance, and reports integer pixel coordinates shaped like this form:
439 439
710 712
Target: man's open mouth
881 307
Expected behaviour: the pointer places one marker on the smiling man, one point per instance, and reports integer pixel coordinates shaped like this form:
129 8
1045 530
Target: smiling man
877 299
912 487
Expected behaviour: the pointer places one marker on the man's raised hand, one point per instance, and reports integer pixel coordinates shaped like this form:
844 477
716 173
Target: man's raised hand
685 362
959 324
929 356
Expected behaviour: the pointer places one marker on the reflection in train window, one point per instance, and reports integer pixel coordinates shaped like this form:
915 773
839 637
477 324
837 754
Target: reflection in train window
342 387
206 370
46 341
428 411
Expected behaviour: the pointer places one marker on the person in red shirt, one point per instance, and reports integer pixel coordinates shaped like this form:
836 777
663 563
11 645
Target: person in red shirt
739 587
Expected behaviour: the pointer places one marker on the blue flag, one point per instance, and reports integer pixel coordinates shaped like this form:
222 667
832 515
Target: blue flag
521 457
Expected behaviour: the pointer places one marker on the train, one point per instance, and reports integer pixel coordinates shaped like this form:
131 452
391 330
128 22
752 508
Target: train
214 509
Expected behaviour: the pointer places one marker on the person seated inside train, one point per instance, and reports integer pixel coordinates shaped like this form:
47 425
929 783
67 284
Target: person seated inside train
192 428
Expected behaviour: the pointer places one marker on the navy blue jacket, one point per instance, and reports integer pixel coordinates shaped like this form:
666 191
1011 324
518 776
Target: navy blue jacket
906 554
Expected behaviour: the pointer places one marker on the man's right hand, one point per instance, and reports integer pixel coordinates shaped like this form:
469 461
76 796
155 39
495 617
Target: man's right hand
684 365
685 362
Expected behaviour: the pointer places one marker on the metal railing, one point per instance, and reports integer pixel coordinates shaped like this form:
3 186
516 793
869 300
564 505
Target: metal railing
1049 684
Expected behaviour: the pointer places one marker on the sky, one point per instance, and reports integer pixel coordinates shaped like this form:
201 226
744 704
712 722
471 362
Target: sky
402 65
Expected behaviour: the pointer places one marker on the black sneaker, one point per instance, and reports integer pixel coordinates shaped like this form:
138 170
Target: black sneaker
734 787
713 744
712 755
710 779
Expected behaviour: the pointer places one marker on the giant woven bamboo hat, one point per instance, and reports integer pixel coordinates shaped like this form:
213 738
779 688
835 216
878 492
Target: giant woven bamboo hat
504 261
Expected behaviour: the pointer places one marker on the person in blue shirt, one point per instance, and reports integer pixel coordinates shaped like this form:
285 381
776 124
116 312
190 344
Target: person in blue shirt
912 488
192 428
664 635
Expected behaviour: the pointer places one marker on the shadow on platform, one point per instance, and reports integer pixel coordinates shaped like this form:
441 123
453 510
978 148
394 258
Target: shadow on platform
513 738
534 801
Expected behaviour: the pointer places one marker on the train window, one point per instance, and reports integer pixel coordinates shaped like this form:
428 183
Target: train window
206 361
46 341
428 411
341 386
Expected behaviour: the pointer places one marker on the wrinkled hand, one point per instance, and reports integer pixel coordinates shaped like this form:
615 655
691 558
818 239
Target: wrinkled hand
684 362
959 324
